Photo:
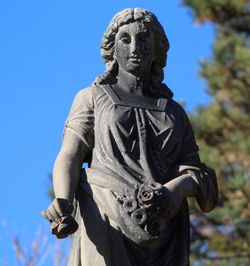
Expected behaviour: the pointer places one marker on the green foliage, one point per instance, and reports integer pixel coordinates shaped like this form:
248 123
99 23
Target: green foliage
222 129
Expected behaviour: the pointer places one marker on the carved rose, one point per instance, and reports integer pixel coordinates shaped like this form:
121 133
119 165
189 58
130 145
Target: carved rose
139 217
130 205
145 195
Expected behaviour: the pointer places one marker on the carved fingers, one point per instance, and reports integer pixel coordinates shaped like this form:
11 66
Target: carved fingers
59 215
171 203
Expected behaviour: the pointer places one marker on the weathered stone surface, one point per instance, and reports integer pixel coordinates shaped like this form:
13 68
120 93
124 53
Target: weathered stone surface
130 204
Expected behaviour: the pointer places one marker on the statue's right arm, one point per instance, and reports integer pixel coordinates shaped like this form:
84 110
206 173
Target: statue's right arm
66 174
78 139
68 166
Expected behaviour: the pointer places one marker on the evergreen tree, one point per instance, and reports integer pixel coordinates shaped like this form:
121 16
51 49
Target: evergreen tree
222 130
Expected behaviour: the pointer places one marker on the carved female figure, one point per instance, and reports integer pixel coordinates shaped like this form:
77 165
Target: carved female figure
130 204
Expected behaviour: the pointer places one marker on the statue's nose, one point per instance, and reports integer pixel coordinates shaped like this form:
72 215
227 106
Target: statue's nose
134 47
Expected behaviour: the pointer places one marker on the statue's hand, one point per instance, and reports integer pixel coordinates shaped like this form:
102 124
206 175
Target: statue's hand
172 199
59 215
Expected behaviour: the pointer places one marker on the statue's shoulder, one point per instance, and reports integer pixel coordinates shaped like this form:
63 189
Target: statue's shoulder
87 95
177 109
87 92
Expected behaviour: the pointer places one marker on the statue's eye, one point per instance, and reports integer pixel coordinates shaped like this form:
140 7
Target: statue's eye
125 39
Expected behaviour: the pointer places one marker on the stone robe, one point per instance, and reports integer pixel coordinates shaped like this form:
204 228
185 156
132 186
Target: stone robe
140 140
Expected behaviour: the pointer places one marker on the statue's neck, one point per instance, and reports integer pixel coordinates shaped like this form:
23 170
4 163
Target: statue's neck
132 84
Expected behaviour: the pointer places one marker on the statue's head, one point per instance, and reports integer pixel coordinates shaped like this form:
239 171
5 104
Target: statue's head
148 21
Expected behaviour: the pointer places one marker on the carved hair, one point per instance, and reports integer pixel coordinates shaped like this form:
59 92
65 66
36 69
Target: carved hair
125 17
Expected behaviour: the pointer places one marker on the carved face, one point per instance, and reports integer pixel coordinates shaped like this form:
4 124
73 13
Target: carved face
134 48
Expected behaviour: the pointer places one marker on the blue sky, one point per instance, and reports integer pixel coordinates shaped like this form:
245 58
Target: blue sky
49 50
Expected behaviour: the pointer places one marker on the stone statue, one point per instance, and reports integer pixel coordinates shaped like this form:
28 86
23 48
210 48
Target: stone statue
129 207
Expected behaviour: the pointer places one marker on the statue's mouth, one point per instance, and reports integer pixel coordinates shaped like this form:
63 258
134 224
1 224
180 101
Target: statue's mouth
135 60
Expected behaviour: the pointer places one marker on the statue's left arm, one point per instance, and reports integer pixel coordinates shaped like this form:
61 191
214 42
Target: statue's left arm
193 178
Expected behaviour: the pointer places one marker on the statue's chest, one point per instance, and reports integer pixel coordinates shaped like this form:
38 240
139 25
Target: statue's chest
136 127
131 125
